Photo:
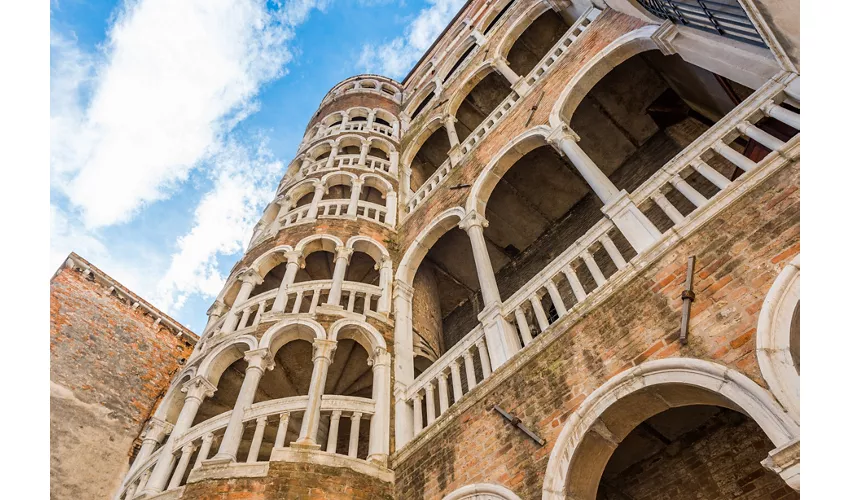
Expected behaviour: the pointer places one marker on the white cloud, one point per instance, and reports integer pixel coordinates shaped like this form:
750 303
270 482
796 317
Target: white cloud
396 57
245 182
172 79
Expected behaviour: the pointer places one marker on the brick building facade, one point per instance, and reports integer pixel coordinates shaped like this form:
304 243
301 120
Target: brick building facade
470 283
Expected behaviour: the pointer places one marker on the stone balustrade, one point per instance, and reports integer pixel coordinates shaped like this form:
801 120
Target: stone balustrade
371 163
196 445
561 45
435 380
559 284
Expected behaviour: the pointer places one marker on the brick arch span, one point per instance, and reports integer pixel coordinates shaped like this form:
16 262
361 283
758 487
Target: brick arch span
612 411
482 491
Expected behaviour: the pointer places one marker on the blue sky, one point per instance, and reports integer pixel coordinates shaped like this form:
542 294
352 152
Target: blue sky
172 122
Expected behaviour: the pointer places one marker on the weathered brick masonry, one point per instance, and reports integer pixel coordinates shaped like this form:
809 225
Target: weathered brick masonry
739 254
109 367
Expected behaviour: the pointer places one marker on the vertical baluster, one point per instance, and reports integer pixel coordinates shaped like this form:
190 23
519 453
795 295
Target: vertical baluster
709 173
333 432
296 306
143 481
668 208
430 410
613 252
130 492
588 259
257 441
557 301
522 323
243 321
484 356
470 370
314 303
688 191
351 296
539 313
786 116
261 308
443 388
182 465
735 157
575 284
206 444
457 388
282 428
367 302
417 413
354 438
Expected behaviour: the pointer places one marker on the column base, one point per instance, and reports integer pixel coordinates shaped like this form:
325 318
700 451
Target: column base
502 343
307 444
635 226
521 87
218 460
378 459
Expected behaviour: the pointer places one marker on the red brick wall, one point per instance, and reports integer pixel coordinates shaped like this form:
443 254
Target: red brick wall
296 481
109 366
739 254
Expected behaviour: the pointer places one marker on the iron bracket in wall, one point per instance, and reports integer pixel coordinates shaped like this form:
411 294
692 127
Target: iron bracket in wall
519 425
688 297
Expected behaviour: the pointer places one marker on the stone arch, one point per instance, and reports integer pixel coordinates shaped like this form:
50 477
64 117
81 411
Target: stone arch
464 51
363 333
301 189
369 246
169 409
627 399
423 242
358 112
317 242
268 260
385 115
319 149
596 68
332 117
494 9
336 178
471 81
231 288
377 182
420 98
501 163
773 338
482 491
284 332
524 20
424 133
382 144
223 356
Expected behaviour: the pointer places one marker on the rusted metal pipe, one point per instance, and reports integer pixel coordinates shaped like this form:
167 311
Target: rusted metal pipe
688 297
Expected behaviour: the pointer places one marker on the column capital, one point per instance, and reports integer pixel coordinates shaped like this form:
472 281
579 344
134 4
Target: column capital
324 349
443 376
785 461
216 309
319 187
260 358
343 252
294 256
251 276
385 263
336 414
402 290
356 415
357 182
207 438
188 448
380 358
199 388
560 133
473 219
157 429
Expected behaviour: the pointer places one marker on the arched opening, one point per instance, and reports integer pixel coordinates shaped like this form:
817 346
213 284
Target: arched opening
422 105
430 156
305 199
794 346
338 187
536 41
480 101
695 451
499 14
460 60
227 373
698 429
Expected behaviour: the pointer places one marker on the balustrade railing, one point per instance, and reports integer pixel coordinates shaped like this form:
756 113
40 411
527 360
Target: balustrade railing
371 163
702 171
499 113
372 211
560 47
273 424
383 130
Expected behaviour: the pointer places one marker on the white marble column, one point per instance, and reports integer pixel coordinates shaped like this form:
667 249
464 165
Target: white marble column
259 361
618 206
322 356
157 430
293 263
395 129
370 119
214 313
196 391
356 188
505 70
332 156
343 254
249 280
452 131
394 163
403 365
365 146
386 270
354 435
392 208
313 211
203 454
474 225
379 427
